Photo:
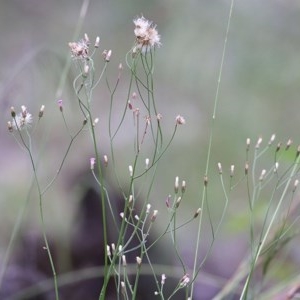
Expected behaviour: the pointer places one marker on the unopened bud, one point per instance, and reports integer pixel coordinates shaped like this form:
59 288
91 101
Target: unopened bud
87 39
197 213
178 202
159 117
60 105
105 159
246 168
231 170
176 185
288 144
95 121
298 151
154 215
295 184
97 42
248 141
41 113
124 262
130 200
168 201
92 162
272 139
147 163
130 170
205 180
86 70
220 168
278 147
258 143
183 186
108 251
163 279
123 288
13 112
148 207
107 55
184 280
138 260
9 126
262 175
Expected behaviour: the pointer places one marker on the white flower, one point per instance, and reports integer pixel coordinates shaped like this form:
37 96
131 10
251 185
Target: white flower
22 120
79 49
146 34
180 120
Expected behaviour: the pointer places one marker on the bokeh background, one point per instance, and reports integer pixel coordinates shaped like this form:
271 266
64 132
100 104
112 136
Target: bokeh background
258 96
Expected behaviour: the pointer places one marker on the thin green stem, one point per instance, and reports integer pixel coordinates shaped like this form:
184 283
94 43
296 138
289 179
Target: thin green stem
216 101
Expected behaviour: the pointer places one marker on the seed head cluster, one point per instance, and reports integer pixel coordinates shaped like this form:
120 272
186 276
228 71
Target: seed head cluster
146 35
21 120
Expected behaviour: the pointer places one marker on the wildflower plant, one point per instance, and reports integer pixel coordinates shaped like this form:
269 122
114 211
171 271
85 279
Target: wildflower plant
275 184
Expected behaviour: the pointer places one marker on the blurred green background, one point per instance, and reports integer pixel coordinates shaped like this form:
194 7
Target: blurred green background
259 92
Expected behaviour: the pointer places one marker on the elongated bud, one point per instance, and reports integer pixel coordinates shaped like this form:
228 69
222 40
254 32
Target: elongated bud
278 147
258 142
178 202
295 184
86 70
205 180
130 170
163 279
197 213
123 288
130 200
124 262
9 126
220 168
184 280
288 144
248 141
272 139
96 121
176 185
97 42
108 251
262 175
183 186
92 162
298 151
13 112
147 163
105 159
246 168
138 260
231 170
87 39
41 113
148 207
168 201
154 215
107 55
60 105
